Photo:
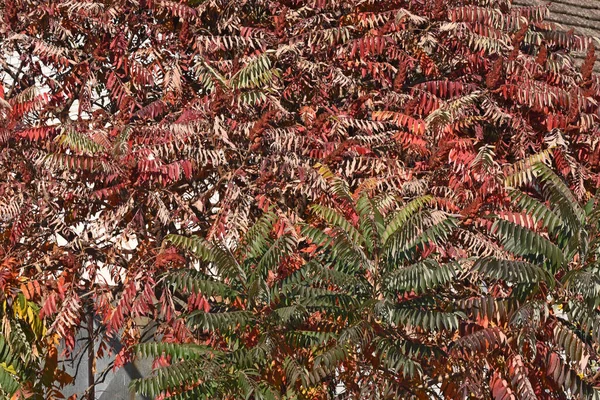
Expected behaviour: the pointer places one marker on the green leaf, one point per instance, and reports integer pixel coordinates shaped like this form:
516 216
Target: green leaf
220 321
420 277
175 350
217 255
560 197
525 242
429 320
270 260
170 378
536 209
512 271
197 282
399 218
335 218
256 240
393 356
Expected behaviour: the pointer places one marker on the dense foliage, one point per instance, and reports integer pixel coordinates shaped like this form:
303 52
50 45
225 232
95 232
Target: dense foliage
381 303
333 169
300 324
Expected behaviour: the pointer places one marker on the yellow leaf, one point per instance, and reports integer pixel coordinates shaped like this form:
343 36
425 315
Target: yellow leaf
10 369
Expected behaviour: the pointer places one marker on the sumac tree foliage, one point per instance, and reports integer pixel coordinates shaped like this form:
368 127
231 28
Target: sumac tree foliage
381 302
376 299
365 304
125 121
541 293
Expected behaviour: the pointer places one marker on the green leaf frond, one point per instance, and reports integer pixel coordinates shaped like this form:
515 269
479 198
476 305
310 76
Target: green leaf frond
256 240
393 356
78 142
219 257
584 282
586 320
341 250
560 197
335 218
524 242
531 313
540 213
420 277
194 281
514 271
220 321
429 320
423 227
257 72
171 378
185 351
281 248
9 365
371 223
401 217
